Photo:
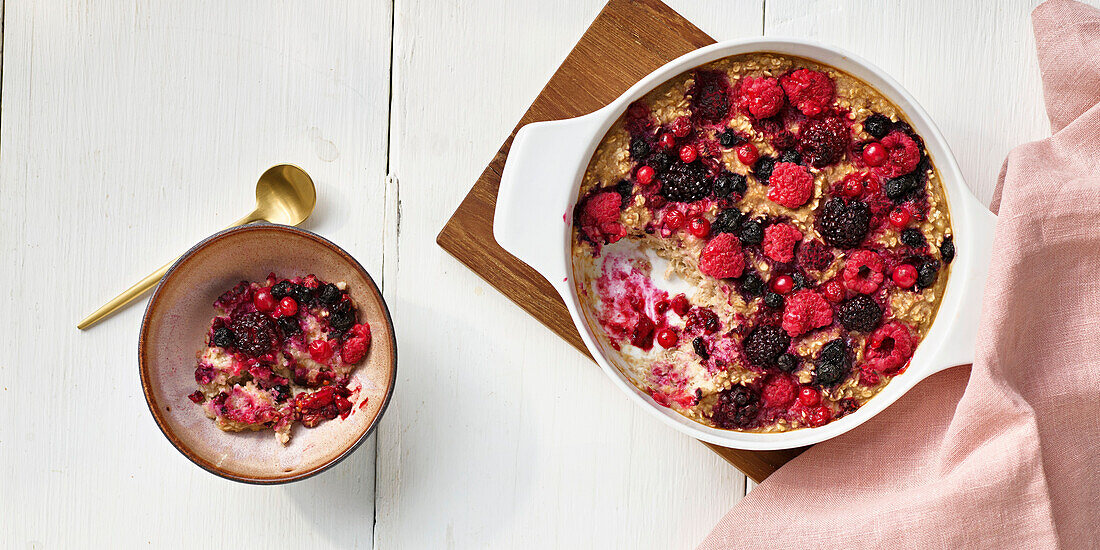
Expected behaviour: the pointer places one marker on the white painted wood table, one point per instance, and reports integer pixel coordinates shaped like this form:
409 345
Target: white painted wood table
130 130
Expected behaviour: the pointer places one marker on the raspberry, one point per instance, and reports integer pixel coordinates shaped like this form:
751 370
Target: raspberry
357 344
860 314
863 271
736 407
710 97
765 344
805 311
833 291
810 91
599 217
779 241
832 364
685 182
791 185
778 392
877 125
823 141
759 97
722 258
813 254
844 223
902 153
888 348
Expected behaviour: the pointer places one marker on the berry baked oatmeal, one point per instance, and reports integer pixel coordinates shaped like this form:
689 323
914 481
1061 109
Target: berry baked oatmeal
765 241
280 351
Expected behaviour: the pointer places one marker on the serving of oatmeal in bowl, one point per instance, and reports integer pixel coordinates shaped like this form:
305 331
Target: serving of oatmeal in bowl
765 242
267 354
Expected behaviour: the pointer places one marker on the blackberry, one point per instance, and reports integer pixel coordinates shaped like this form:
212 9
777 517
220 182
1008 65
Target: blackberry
302 294
765 344
813 254
791 156
727 221
730 139
625 189
752 232
877 125
763 169
710 97
341 320
787 362
329 294
700 347
639 149
822 141
913 237
281 290
860 314
224 337
282 392
926 273
844 223
659 161
947 249
833 364
773 300
736 407
289 326
897 189
728 183
685 182
255 333
800 281
752 284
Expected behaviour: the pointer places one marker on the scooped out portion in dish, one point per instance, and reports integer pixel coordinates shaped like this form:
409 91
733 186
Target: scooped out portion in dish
281 351
764 240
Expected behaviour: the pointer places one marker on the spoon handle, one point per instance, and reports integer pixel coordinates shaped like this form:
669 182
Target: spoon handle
143 286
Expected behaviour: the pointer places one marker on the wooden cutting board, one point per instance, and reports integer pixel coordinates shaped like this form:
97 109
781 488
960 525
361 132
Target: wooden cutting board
628 40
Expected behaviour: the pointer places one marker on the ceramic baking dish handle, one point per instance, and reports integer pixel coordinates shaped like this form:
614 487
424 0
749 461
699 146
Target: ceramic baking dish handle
537 188
976 246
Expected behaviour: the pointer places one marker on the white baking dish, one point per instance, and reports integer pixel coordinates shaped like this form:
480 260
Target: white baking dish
539 186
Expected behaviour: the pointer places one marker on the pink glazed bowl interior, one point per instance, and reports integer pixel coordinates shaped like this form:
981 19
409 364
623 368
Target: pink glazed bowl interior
173 331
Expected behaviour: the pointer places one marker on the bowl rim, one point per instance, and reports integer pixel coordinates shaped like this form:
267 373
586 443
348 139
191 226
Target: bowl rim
146 384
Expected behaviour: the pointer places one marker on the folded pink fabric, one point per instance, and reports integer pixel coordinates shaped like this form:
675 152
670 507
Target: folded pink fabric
1005 454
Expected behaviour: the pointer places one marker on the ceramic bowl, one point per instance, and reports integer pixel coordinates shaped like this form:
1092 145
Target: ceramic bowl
173 331
539 186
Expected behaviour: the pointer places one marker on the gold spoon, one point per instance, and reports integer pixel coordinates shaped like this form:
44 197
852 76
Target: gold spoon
284 195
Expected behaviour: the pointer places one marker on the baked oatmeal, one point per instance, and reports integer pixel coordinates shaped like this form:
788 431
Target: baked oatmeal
765 240
280 351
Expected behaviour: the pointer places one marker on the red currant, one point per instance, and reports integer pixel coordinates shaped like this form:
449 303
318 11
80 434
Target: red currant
645 175
808 396
874 154
688 153
820 416
833 291
900 217
662 306
681 127
263 300
681 305
667 337
747 154
700 227
674 219
666 141
905 275
287 307
782 284
320 350
852 188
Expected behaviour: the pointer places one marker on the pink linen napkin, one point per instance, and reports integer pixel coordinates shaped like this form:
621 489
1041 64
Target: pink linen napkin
1006 453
